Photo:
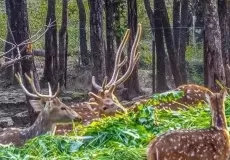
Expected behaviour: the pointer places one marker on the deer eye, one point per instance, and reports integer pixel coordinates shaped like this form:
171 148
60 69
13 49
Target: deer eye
104 108
63 108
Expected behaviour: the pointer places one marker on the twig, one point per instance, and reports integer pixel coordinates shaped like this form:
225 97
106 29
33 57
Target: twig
28 41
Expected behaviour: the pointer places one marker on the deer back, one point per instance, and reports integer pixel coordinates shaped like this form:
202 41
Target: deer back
193 94
211 144
11 136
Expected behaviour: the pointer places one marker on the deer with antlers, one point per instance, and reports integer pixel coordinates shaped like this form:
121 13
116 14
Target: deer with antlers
105 100
212 143
52 111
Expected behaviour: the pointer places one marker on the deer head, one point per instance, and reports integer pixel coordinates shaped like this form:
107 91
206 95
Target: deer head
105 100
49 103
212 143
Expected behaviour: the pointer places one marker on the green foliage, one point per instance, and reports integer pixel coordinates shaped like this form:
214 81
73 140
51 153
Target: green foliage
194 52
146 55
166 97
121 137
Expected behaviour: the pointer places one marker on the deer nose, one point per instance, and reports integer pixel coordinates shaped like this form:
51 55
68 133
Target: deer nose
78 118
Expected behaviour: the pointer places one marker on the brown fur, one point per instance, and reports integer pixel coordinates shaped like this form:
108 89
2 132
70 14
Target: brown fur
210 144
54 112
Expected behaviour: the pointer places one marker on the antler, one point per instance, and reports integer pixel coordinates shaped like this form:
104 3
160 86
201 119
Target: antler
37 94
134 56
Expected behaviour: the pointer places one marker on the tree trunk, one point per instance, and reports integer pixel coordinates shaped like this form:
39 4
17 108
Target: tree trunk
117 22
198 7
110 24
8 73
62 42
132 83
20 28
176 24
184 35
160 49
169 42
51 46
96 40
224 28
85 57
150 14
213 65
66 58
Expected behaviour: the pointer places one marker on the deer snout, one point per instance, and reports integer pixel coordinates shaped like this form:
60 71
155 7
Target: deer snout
77 117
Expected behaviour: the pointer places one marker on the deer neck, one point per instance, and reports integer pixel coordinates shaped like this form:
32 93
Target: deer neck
219 119
41 126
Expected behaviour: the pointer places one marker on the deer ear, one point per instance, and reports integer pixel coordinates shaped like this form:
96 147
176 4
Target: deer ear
224 93
57 101
37 105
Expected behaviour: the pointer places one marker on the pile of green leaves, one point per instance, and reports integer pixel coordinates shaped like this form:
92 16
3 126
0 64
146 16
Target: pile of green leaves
124 136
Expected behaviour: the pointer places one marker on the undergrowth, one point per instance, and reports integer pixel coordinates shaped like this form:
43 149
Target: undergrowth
113 138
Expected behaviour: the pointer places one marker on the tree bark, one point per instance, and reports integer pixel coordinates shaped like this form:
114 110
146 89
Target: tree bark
169 42
51 46
85 57
150 14
110 36
8 73
96 40
224 28
160 49
176 24
184 35
213 65
132 83
20 29
62 42
117 22
198 7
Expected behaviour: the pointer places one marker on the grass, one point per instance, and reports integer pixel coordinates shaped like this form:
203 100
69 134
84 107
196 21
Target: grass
112 138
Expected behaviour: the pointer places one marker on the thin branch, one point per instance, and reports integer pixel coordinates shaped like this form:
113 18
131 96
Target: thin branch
28 41
13 61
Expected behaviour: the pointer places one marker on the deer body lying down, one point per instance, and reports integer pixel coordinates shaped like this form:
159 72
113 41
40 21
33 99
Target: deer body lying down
203 144
53 111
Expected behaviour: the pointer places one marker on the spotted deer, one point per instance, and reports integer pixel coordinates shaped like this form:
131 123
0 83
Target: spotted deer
211 144
105 100
193 94
52 111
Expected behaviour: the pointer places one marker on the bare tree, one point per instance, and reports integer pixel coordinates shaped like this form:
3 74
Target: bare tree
63 48
84 55
176 23
169 42
150 14
132 84
110 36
96 40
117 17
184 35
213 61
50 70
223 12
160 48
8 74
